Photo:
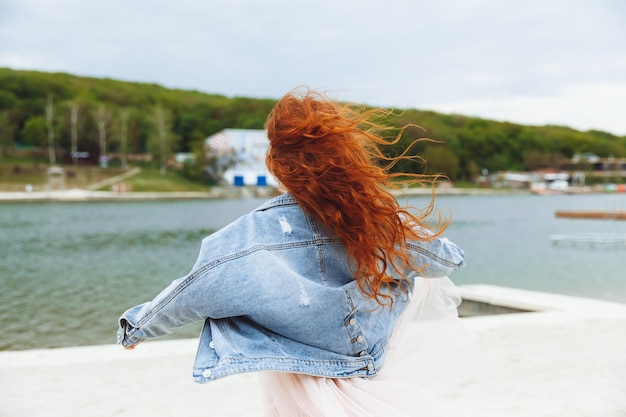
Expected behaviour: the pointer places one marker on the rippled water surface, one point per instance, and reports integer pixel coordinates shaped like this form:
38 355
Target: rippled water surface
67 270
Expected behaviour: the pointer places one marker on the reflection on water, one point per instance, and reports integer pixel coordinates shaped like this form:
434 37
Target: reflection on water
68 270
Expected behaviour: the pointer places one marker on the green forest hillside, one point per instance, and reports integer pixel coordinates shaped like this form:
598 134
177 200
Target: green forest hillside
81 119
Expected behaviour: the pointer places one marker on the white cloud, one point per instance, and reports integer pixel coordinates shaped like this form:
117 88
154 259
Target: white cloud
483 57
591 106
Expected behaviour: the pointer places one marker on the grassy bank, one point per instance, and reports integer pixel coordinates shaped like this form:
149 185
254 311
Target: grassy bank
151 180
17 175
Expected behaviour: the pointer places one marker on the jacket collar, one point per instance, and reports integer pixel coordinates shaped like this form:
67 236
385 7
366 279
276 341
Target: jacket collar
281 200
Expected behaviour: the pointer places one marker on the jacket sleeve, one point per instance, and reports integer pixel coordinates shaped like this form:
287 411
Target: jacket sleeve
436 258
173 308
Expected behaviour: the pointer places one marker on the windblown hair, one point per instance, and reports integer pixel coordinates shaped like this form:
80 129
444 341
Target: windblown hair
326 156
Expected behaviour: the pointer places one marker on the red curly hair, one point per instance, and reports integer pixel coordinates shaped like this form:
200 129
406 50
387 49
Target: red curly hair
325 155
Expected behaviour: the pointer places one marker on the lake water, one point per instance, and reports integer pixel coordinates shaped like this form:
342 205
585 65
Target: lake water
67 270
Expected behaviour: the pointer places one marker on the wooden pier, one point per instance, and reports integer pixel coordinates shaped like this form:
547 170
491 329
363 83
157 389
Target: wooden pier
592 214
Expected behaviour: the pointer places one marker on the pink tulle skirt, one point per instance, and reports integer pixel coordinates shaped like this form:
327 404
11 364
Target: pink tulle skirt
421 363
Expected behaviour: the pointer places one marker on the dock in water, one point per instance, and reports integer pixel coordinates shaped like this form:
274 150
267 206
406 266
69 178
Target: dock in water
592 214
591 239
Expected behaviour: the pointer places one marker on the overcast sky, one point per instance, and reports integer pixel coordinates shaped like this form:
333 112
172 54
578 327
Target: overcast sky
527 61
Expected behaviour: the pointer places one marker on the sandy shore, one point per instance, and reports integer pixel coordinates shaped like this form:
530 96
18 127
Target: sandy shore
568 358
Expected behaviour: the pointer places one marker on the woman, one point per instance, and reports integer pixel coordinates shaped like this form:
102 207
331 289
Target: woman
310 285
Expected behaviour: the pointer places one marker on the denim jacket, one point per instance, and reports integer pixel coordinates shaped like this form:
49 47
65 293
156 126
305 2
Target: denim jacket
276 292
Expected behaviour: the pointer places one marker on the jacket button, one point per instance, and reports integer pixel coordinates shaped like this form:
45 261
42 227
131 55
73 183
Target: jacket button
360 339
206 373
352 322
362 353
212 344
370 367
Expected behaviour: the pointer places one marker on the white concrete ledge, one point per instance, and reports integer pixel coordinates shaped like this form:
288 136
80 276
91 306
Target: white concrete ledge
566 359
535 301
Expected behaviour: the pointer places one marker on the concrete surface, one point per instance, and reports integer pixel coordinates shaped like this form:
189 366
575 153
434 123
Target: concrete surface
567 358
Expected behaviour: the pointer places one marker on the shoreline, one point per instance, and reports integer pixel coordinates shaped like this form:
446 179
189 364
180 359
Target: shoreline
82 195
235 192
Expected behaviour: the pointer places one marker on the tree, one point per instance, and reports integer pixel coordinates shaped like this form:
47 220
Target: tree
103 119
534 160
124 137
217 163
441 160
7 132
196 168
34 131
162 140
50 126
74 113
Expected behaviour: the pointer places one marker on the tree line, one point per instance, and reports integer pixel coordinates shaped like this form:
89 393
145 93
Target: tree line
83 119
71 119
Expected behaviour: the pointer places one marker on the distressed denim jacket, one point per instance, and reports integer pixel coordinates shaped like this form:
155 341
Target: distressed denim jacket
276 292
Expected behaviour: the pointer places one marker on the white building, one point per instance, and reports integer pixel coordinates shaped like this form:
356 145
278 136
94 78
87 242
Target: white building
247 149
